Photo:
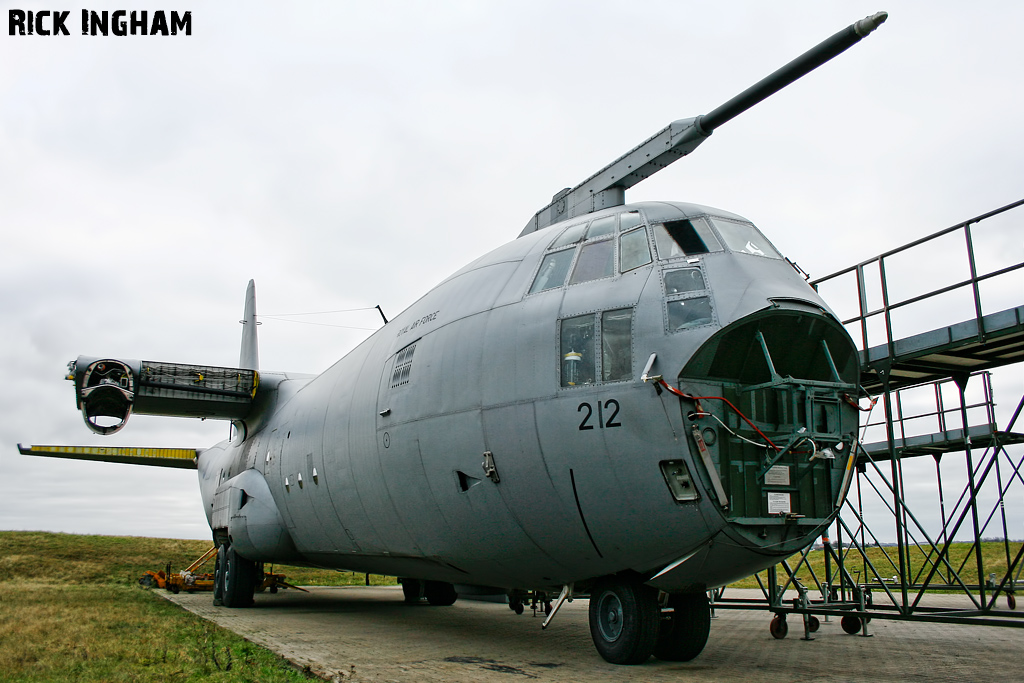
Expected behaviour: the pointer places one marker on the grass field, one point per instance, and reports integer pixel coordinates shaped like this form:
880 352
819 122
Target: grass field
71 608
886 563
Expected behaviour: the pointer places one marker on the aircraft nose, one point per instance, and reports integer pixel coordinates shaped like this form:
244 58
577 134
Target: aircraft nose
772 417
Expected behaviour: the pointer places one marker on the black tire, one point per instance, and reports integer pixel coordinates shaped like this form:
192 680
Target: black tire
684 634
1011 601
412 589
624 620
813 623
175 588
218 575
239 580
778 628
440 593
850 624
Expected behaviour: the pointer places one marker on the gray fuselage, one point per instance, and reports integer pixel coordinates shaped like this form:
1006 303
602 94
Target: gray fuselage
378 464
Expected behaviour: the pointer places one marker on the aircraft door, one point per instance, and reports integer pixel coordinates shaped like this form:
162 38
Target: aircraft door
415 526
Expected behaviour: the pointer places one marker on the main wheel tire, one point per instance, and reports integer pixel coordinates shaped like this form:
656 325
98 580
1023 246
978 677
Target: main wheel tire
440 593
218 575
813 623
239 580
412 590
684 634
624 620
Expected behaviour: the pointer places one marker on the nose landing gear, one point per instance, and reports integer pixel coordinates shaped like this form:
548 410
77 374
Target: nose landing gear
628 625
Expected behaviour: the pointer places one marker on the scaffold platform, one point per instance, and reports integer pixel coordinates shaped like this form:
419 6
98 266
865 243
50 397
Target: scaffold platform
965 347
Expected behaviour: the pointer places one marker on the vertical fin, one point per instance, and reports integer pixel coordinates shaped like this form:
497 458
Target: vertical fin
249 358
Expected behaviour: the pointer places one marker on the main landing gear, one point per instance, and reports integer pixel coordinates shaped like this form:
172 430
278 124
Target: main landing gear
437 593
235 578
628 624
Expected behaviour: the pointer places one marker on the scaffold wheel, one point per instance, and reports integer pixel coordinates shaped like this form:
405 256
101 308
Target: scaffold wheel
850 624
779 628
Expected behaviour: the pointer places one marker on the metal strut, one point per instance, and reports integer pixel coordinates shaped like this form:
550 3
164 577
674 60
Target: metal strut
565 595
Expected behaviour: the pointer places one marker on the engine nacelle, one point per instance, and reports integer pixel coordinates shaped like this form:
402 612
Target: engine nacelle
108 391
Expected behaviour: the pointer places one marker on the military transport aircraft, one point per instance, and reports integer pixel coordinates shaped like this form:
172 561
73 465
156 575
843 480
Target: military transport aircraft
636 401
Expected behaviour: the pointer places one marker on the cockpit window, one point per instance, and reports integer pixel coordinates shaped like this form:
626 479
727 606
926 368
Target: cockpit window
744 238
594 253
685 238
571 235
586 339
629 220
617 345
553 270
634 251
597 260
686 313
601 227
577 351
688 299
684 280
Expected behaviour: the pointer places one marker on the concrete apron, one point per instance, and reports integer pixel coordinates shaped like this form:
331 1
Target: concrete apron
357 633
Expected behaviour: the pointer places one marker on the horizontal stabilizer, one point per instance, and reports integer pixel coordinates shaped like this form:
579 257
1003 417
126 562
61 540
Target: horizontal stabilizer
181 458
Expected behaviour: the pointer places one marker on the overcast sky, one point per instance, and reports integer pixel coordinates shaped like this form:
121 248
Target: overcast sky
349 154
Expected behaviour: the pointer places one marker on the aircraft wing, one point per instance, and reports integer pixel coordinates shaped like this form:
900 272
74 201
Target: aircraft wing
181 458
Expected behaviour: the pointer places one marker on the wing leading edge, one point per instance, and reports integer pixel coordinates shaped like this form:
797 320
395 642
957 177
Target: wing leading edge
180 458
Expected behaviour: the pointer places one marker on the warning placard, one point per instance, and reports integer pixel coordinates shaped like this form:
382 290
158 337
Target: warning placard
779 503
777 476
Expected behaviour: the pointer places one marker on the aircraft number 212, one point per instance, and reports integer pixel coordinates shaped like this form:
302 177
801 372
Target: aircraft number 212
610 404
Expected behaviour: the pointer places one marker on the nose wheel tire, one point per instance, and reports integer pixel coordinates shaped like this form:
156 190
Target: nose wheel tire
683 635
624 620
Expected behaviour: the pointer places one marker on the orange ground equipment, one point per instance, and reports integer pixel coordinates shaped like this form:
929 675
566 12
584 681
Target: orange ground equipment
189 581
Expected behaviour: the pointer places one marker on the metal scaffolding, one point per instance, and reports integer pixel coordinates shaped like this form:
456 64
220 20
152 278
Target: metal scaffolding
935 390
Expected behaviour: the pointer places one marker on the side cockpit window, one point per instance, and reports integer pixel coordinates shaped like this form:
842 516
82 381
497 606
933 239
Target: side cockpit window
688 301
634 250
596 347
553 270
587 251
577 351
